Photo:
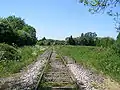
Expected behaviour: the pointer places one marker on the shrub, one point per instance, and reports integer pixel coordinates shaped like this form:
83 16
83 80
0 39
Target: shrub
8 52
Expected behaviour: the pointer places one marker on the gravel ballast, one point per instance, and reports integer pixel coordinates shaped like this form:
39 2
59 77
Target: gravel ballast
88 79
26 79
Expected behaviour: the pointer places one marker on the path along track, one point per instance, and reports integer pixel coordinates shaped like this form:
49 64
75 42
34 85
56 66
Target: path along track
56 75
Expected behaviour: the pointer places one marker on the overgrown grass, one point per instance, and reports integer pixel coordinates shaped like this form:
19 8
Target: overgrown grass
28 55
103 60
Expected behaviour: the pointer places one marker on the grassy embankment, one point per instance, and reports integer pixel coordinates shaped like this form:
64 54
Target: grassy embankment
27 55
101 59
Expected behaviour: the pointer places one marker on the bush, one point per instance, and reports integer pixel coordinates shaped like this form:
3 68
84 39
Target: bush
8 52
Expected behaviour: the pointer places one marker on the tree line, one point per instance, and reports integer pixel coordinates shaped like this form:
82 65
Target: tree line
90 39
85 39
14 31
45 41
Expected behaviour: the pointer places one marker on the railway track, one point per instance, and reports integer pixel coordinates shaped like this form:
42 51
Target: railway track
56 75
49 72
62 73
27 79
52 71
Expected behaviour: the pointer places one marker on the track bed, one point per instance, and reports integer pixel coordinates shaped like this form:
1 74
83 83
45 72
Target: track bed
56 76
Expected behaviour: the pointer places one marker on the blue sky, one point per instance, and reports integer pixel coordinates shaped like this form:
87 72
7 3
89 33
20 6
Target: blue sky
58 19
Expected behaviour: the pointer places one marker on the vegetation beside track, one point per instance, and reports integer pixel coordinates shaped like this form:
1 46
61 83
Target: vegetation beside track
103 60
27 54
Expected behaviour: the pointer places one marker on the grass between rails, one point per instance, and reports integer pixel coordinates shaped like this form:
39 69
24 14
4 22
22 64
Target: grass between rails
102 59
28 55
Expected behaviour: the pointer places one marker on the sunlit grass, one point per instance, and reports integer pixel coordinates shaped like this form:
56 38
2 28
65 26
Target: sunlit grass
103 60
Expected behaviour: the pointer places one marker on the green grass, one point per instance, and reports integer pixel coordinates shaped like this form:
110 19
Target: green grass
28 55
101 59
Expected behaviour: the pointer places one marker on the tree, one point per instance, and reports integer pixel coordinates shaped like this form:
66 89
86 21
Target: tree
15 30
7 35
16 23
70 41
43 39
82 34
99 6
88 39
23 38
32 33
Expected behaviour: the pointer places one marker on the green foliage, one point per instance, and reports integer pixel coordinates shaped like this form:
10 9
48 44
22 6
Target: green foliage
102 59
40 42
97 6
108 6
87 39
6 33
105 42
45 41
116 46
28 55
90 38
15 30
16 23
70 41
8 52
59 42
31 31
